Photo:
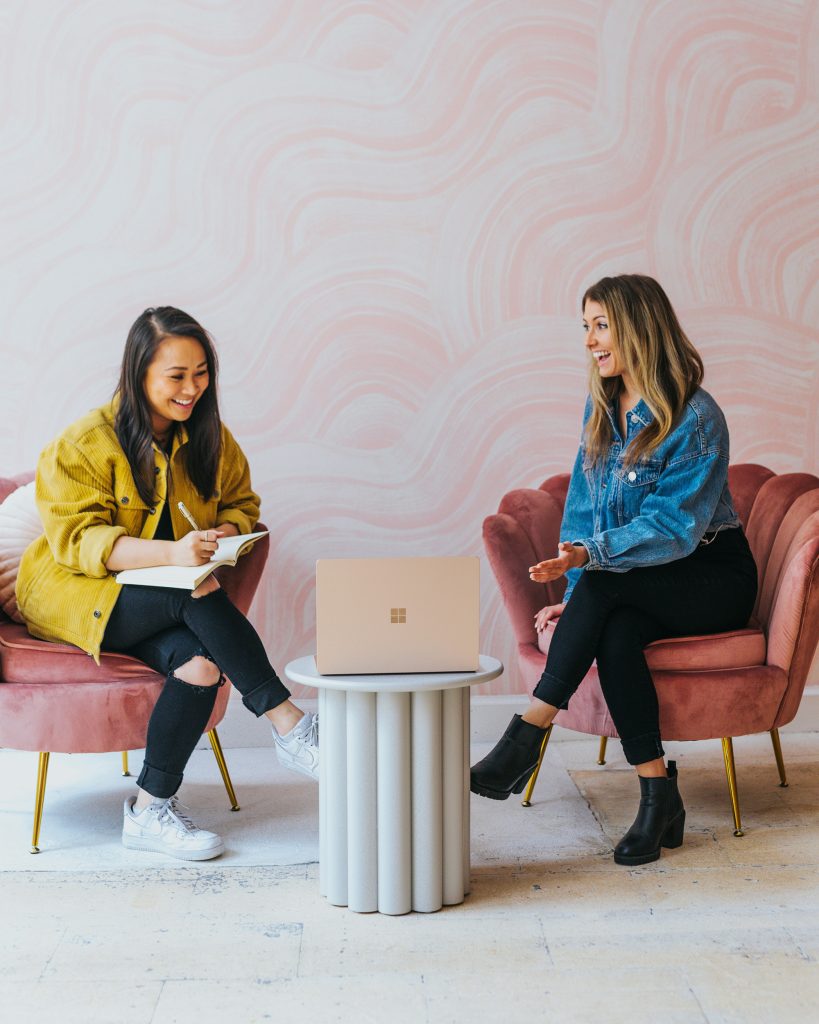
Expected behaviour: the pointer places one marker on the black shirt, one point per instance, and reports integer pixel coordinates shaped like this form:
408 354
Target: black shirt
164 529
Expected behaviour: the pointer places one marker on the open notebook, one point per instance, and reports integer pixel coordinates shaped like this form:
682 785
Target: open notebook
188 577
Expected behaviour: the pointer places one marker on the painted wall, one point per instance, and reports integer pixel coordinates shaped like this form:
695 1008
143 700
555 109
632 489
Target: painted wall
386 213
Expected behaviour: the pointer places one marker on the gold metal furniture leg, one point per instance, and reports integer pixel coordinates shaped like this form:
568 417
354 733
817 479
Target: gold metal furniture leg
125 771
527 796
601 757
220 760
730 771
780 763
39 798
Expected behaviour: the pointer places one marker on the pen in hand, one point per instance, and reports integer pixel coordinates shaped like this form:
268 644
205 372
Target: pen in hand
183 509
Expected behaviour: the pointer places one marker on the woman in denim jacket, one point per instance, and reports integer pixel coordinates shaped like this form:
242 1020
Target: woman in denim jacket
650 543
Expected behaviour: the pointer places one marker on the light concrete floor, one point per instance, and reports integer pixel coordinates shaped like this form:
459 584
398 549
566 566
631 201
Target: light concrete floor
721 930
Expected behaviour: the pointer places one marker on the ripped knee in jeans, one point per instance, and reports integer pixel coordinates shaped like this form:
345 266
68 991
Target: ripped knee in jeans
201 672
208 586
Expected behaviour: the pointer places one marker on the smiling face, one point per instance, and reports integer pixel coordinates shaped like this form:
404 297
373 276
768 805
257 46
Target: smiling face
176 379
599 341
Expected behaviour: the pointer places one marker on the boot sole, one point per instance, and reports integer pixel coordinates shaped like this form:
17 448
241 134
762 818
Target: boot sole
492 794
643 858
501 794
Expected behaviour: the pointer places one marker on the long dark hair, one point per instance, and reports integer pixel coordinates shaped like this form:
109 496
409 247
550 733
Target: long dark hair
656 352
133 417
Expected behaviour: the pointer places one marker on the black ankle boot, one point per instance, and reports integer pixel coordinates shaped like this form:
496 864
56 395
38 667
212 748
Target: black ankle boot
660 821
507 767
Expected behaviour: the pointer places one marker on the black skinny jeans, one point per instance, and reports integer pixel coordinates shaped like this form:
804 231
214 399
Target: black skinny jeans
165 628
612 616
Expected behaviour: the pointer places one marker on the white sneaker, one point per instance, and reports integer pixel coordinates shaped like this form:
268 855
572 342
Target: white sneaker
163 828
298 749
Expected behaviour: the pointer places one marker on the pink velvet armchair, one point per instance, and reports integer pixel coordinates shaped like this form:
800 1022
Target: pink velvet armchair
54 697
732 684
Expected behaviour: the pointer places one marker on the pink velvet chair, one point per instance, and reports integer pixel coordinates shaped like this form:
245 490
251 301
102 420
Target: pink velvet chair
54 697
732 684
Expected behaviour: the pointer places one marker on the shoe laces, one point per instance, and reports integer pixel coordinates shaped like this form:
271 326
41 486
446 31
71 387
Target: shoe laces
176 812
311 737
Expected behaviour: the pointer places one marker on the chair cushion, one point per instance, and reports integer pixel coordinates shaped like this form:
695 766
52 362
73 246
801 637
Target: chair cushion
19 525
23 659
58 699
740 648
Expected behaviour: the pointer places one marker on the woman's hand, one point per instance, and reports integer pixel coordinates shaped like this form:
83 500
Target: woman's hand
569 556
195 548
551 611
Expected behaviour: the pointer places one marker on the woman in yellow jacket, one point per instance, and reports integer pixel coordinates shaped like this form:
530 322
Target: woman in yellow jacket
107 490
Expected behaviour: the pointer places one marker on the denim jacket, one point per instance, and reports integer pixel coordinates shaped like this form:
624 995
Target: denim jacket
658 509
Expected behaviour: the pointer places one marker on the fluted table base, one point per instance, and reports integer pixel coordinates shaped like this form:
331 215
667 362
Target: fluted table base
394 799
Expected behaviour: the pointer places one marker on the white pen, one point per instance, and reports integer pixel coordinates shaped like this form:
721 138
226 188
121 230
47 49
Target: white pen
183 509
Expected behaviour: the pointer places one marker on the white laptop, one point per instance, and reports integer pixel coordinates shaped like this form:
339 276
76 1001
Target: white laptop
388 615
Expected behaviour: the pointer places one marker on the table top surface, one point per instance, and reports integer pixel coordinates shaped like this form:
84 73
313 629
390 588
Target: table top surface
303 670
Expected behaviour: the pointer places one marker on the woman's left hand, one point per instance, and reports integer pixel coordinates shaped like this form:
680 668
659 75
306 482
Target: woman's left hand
569 556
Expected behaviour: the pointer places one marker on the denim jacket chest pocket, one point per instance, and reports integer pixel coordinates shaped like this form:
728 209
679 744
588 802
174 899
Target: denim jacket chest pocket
596 483
629 486
602 484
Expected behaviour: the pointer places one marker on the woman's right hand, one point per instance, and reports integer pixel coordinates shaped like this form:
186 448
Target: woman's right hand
551 611
195 548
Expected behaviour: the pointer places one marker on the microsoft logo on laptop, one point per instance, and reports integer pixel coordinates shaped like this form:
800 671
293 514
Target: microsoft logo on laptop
398 615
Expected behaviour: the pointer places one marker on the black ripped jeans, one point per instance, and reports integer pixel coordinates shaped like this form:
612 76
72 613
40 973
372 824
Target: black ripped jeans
165 628
612 616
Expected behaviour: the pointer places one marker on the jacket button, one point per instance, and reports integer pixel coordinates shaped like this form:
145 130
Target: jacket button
124 501
632 476
152 511
97 613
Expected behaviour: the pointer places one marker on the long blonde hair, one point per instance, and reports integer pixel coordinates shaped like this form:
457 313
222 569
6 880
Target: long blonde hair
657 355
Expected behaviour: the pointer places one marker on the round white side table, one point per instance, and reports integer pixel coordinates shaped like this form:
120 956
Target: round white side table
393 786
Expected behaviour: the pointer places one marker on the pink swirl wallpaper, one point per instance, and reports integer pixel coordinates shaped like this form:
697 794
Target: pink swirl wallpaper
386 213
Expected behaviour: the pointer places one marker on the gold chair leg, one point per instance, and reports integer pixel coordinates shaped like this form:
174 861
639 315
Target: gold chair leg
527 796
125 771
730 771
223 768
601 757
780 763
39 798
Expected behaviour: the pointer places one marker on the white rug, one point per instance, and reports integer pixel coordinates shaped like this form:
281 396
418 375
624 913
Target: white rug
277 823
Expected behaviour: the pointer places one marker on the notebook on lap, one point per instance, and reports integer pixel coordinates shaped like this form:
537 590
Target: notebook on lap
386 615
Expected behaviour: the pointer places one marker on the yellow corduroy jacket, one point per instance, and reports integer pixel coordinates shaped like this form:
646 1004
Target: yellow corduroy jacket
87 498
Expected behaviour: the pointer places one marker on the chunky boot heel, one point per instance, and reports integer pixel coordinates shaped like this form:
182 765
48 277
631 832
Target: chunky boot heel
660 821
674 833
507 767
